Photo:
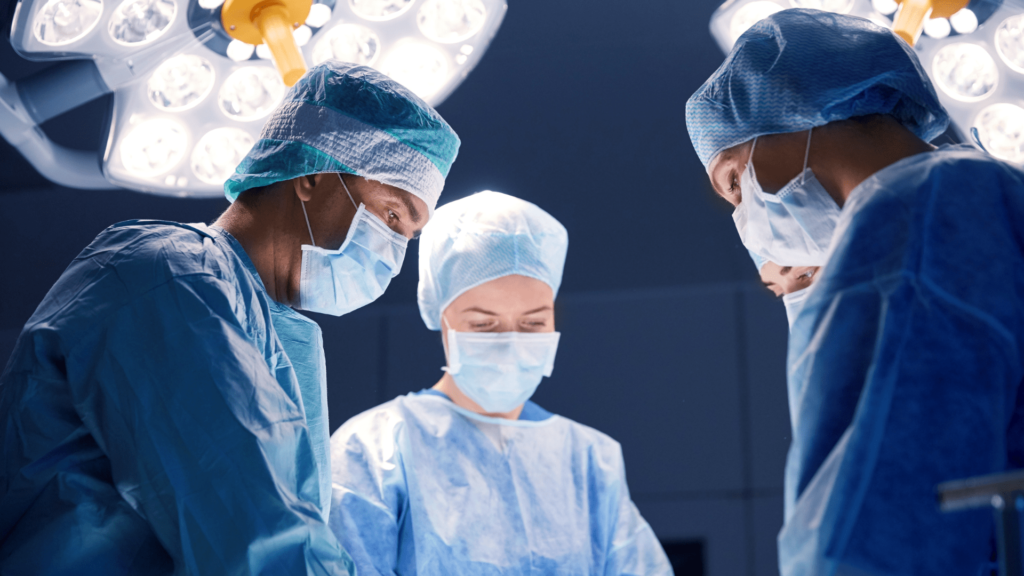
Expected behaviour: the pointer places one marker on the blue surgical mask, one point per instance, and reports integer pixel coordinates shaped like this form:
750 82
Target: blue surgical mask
339 281
792 227
500 370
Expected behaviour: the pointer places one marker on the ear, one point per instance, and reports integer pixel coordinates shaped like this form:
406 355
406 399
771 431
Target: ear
304 186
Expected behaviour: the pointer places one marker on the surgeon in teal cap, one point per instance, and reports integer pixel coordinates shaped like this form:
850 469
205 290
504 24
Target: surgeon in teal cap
906 357
164 409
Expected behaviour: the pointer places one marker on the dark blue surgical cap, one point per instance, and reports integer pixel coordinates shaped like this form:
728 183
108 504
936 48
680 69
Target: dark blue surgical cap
798 69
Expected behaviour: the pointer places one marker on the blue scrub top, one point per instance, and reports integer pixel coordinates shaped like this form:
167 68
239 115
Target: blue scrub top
152 421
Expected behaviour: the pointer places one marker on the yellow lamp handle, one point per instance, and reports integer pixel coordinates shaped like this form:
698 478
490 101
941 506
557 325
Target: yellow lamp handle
270 22
910 19
276 30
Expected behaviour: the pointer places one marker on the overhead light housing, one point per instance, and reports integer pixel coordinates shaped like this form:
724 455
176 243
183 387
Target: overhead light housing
189 98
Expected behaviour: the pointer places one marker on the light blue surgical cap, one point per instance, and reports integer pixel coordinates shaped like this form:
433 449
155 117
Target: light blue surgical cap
798 69
481 238
345 118
759 262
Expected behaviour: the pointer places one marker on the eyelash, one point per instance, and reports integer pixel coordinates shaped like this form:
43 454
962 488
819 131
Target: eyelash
391 215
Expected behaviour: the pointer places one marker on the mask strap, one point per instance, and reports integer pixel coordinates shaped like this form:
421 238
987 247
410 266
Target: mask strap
807 154
444 341
345 186
308 227
753 146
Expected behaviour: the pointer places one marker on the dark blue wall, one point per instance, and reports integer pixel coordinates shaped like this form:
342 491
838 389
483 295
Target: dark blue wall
669 343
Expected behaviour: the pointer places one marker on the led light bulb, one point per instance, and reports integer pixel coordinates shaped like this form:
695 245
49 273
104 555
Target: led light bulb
319 14
210 4
137 22
180 83
251 92
838 6
965 21
218 153
1009 41
749 15
1001 131
449 21
239 51
302 34
884 7
153 147
419 67
378 10
61 22
263 52
347 43
937 28
965 71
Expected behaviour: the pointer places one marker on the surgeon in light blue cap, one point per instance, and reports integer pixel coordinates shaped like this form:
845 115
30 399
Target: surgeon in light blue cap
164 409
470 477
907 357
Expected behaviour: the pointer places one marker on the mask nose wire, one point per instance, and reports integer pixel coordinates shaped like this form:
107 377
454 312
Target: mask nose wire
308 227
807 154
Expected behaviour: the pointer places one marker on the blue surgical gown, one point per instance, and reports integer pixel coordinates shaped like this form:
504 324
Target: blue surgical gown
152 422
422 486
905 369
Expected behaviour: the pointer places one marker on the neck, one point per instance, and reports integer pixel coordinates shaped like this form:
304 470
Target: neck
852 151
447 385
259 227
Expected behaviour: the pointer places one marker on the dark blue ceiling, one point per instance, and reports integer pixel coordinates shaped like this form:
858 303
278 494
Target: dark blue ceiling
577 106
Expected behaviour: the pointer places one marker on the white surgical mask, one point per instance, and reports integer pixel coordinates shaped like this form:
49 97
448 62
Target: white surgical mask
500 370
794 302
339 281
792 227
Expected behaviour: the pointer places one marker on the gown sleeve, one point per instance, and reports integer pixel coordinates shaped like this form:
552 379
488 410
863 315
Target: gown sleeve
634 550
203 441
368 491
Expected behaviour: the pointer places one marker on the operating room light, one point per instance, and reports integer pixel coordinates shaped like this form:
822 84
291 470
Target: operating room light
153 147
65 21
319 14
251 93
239 51
885 7
190 98
141 21
965 21
348 43
181 82
380 10
218 152
1009 41
451 21
749 15
965 71
418 66
838 6
1000 130
937 28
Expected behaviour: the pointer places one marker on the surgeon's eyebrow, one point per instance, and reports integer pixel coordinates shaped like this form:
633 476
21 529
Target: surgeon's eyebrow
535 310
416 218
767 284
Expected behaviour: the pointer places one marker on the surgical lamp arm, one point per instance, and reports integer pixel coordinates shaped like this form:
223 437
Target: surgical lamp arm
19 125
